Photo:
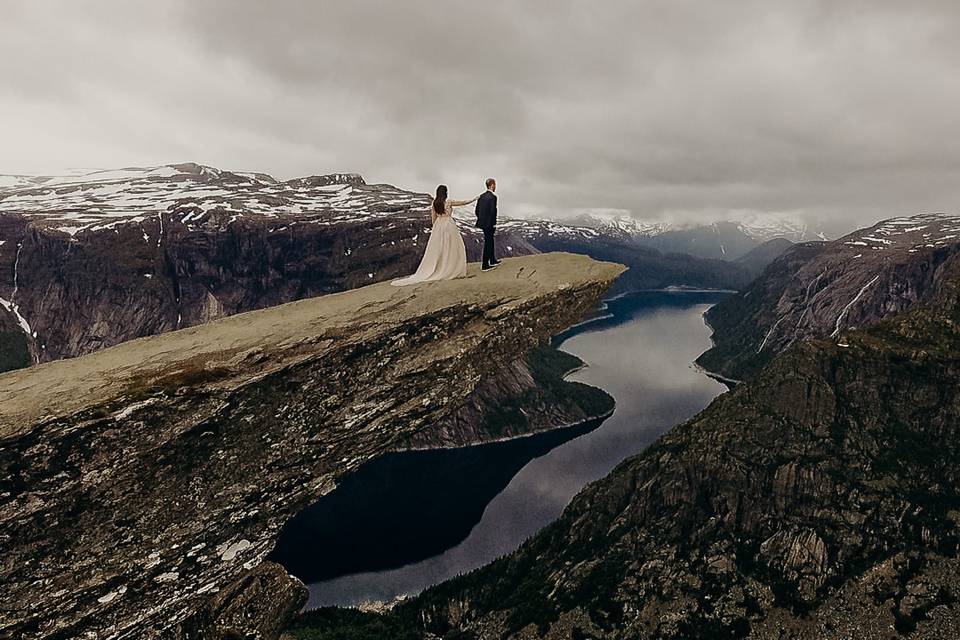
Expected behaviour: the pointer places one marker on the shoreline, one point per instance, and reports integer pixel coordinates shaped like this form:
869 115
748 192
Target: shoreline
560 427
729 382
384 606
602 306
719 377
716 376
679 290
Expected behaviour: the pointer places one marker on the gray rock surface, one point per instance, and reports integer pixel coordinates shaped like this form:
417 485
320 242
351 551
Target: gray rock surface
257 606
141 482
525 397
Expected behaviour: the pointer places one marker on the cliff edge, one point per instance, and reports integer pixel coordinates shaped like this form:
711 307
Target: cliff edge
144 484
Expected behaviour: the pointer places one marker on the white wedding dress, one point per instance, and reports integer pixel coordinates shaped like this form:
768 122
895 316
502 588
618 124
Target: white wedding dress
445 257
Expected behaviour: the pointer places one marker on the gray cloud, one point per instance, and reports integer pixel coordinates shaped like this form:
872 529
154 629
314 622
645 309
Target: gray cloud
664 109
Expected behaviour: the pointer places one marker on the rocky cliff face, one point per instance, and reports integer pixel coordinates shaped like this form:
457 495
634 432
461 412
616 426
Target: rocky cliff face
142 485
14 342
819 501
819 290
525 397
138 252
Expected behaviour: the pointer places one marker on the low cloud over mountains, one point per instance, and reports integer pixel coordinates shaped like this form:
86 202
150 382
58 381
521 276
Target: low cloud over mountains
690 111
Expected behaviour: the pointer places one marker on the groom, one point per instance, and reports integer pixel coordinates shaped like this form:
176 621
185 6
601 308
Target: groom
487 220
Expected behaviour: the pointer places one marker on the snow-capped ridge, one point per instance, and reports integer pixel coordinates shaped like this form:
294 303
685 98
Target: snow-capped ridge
196 194
924 230
759 227
354 179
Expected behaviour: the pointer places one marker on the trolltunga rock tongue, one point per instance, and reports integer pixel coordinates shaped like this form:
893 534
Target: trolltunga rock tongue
141 481
140 251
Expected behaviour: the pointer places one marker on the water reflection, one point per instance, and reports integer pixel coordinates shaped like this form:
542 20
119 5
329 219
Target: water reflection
405 507
415 505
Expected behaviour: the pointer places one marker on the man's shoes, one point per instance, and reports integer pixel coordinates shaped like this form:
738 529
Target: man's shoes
490 267
494 262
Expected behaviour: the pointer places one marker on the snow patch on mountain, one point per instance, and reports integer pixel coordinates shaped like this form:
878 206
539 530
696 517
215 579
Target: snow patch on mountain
757 226
15 310
926 230
197 195
764 227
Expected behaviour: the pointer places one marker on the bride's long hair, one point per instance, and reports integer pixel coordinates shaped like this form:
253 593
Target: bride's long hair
440 202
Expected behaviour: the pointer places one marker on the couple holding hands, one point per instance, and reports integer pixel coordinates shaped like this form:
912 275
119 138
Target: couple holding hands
446 256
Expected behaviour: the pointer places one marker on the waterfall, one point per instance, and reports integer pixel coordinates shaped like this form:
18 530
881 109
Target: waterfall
16 265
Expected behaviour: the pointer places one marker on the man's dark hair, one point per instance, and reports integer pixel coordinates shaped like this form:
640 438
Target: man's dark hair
490 182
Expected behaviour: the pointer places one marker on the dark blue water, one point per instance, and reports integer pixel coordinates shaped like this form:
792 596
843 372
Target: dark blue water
410 520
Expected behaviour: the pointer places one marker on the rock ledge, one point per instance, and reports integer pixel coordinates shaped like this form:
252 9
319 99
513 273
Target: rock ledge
142 480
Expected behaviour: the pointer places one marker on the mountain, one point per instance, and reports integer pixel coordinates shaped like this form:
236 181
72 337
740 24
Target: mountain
726 240
654 252
142 486
13 341
757 259
818 499
722 240
648 268
724 255
819 290
623 226
140 251
528 396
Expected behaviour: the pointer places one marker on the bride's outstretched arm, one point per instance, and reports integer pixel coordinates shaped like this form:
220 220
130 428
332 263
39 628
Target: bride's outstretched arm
460 203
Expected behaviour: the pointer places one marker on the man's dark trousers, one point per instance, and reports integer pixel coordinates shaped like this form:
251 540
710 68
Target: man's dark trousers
488 253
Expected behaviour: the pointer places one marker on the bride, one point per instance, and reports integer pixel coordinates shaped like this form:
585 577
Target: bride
445 257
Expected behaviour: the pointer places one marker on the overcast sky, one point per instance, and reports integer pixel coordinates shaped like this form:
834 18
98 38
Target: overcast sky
691 110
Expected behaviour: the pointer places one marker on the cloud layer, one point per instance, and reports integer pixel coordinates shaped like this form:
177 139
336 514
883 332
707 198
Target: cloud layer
666 110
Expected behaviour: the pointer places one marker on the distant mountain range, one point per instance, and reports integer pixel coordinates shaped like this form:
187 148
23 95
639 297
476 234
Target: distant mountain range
725 240
759 228
102 199
196 196
95 258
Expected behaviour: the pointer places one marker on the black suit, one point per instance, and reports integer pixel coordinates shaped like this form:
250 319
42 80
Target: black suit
487 220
